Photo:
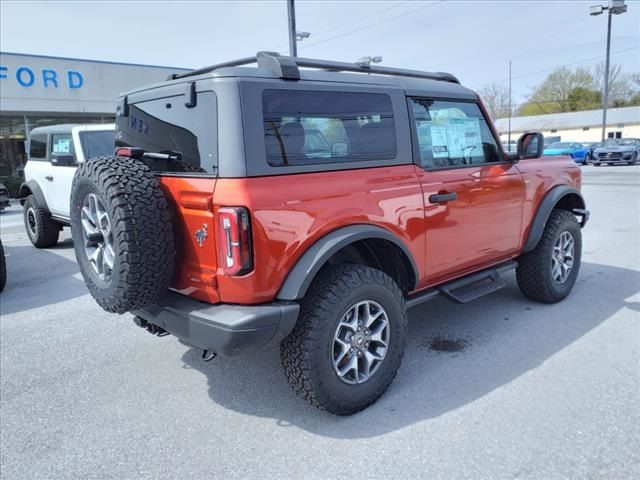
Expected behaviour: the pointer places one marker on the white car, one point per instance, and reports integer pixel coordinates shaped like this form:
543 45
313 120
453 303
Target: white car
54 155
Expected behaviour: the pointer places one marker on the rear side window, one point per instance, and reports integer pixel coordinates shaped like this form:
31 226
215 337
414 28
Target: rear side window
38 147
62 144
452 134
167 125
315 127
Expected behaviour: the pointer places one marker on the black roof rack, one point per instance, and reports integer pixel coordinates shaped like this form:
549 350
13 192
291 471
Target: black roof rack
287 67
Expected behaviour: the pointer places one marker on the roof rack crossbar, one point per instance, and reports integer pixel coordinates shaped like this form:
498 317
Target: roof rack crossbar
211 68
287 67
366 68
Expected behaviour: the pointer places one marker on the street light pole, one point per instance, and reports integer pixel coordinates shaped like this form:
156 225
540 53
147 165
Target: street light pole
605 95
614 7
291 10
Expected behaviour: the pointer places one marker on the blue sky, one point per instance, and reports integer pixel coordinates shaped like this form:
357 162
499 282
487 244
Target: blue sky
472 39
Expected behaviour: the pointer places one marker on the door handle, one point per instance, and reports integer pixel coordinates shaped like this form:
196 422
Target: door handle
49 177
443 197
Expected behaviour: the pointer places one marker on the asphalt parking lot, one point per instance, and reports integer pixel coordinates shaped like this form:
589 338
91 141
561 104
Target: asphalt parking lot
499 388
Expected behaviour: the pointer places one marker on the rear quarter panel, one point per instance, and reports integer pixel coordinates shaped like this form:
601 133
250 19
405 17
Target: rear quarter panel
290 213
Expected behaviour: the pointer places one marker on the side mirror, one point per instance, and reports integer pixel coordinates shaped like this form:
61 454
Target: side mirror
63 161
530 145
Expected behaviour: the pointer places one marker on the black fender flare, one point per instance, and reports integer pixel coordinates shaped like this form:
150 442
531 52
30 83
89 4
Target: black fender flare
32 188
553 197
309 264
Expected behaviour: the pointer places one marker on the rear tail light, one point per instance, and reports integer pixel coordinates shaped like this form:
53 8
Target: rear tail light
235 251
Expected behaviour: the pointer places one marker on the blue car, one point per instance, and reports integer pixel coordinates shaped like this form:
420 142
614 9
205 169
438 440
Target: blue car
577 151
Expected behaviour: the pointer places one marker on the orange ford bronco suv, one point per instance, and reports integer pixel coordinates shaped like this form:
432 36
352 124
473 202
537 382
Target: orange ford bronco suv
311 203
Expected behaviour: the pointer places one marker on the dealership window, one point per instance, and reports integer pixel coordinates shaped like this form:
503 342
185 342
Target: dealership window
14 139
316 127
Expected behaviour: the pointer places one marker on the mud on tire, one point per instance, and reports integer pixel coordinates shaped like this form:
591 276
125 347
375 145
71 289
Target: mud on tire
307 353
140 230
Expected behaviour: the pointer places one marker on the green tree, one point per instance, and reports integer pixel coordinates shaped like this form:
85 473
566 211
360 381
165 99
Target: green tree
581 98
552 95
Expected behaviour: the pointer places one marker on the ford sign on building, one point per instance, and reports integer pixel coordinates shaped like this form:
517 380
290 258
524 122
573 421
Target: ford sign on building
36 91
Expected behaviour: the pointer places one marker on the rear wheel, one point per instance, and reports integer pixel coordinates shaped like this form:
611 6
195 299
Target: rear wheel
42 230
349 342
596 164
122 233
547 273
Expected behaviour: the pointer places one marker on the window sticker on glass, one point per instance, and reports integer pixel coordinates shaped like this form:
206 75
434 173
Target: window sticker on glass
464 137
440 143
62 145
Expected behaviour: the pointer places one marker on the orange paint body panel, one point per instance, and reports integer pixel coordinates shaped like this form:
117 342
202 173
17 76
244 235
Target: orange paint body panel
290 213
487 224
191 201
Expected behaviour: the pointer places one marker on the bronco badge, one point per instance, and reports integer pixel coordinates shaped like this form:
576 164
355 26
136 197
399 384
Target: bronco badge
201 235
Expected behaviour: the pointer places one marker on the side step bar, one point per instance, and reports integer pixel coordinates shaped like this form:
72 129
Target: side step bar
466 289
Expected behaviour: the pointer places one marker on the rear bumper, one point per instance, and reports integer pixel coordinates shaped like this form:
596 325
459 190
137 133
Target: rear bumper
224 329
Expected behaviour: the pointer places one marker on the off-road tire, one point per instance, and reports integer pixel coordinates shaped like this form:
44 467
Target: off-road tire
3 268
534 268
142 232
306 353
45 231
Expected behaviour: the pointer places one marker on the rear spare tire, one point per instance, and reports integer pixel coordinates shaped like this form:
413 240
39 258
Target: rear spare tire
122 233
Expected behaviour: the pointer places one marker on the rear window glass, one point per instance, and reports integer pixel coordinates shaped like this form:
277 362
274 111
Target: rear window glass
38 146
315 127
97 143
166 125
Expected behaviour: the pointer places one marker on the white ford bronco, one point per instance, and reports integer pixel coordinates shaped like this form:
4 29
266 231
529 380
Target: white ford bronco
54 155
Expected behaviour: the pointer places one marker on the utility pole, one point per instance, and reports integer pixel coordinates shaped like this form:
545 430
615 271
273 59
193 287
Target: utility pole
291 10
509 135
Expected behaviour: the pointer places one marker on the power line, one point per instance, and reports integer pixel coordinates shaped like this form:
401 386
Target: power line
373 14
586 60
372 24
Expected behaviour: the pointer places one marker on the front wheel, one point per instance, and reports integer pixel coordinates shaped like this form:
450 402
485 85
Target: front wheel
547 273
349 341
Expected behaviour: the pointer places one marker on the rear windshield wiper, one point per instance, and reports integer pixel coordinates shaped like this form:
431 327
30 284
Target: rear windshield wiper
136 152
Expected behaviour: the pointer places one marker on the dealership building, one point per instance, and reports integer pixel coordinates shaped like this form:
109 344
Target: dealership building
583 126
37 90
